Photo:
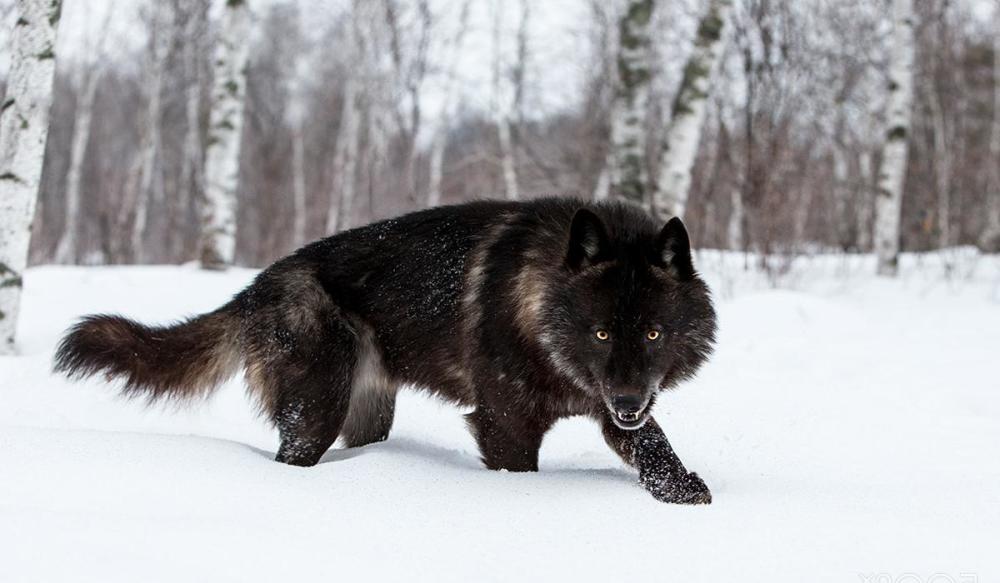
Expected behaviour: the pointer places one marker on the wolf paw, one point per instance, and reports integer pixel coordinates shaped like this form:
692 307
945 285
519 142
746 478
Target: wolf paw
677 488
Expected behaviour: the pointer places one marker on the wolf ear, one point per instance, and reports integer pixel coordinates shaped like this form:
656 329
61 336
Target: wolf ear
588 241
673 249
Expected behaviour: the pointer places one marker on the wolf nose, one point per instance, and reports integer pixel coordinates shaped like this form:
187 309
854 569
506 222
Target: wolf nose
628 404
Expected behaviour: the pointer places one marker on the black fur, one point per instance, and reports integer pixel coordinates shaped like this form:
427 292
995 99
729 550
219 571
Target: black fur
527 311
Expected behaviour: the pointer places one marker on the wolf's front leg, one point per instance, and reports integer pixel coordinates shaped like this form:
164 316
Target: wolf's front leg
660 470
507 440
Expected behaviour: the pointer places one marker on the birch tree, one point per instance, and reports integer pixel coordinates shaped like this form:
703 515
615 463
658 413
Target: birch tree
24 118
345 156
439 142
222 164
990 238
408 49
889 195
501 106
683 132
606 41
627 157
150 180
297 121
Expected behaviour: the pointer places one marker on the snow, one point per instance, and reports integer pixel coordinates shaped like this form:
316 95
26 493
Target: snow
848 426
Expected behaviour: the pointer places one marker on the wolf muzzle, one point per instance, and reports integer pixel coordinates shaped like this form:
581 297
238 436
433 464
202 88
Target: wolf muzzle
628 410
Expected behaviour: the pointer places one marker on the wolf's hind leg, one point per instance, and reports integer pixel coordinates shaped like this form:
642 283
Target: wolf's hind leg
373 394
308 429
370 416
312 396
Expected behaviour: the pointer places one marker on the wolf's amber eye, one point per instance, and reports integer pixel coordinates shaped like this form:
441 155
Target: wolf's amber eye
602 335
652 335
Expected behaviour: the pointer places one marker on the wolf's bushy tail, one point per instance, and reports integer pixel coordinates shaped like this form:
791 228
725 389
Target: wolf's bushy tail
180 361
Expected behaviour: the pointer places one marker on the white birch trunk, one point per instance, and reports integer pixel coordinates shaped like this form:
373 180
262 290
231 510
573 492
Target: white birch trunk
628 110
502 101
683 133
990 238
440 140
345 156
222 163
889 195
24 124
67 249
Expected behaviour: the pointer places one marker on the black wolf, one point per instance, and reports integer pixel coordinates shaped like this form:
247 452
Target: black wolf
526 311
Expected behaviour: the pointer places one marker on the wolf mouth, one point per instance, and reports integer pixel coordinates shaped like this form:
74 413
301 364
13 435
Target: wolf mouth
629 420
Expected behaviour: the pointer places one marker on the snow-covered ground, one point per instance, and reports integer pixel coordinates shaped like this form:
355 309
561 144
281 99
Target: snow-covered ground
848 426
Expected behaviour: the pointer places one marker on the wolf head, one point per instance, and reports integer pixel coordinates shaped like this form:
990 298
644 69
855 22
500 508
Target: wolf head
634 318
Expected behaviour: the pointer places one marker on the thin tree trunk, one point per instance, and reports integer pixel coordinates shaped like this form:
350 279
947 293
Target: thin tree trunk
501 109
889 196
942 168
67 250
345 157
864 215
296 112
345 160
944 147
222 165
151 140
90 72
602 190
519 74
841 193
378 127
990 238
192 163
408 77
606 39
628 112
440 140
24 124
736 220
299 185
297 115
683 133
801 217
